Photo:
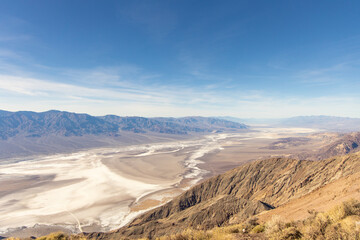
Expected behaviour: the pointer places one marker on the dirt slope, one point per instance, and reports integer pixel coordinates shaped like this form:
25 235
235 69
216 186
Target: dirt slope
320 200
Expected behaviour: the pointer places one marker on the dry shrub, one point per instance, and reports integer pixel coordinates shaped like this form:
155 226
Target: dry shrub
340 212
351 223
229 229
61 236
275 225
188 234
290 233
337 223
223 233
347 228
276 229
336 231
315 228
258 229
55 236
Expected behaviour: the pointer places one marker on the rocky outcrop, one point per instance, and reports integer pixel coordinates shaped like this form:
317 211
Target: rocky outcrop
349 143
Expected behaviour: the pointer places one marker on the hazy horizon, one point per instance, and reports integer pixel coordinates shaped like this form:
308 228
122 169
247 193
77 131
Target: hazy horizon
239 118
243 59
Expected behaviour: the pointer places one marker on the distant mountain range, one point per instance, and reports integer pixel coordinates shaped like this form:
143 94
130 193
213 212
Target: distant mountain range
328 123
32 124
183 125
28 133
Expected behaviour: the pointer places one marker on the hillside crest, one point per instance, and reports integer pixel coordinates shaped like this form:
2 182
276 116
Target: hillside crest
238 194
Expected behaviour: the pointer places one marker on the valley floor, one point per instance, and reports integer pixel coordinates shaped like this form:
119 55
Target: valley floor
103 189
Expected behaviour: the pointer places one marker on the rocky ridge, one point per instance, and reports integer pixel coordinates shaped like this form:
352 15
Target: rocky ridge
238 194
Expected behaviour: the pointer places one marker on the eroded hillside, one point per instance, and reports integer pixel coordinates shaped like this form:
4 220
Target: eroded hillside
238 194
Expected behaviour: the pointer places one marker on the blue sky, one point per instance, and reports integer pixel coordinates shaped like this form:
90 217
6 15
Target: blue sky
263 59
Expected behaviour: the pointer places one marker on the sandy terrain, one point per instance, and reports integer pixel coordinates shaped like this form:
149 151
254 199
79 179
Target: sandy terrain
103 189
239 149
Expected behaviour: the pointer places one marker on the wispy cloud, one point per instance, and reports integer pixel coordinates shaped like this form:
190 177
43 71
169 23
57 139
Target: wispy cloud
171 99
130 90
321 81
330 75
37 94
36 87
111 76
12 38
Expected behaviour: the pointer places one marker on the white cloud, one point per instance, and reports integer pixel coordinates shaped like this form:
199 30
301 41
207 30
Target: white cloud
18 93
127 90
30 93
36 87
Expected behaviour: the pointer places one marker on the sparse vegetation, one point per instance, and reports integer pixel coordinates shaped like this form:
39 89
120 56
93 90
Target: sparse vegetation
258 229
61 236
277 229
340 222
219 233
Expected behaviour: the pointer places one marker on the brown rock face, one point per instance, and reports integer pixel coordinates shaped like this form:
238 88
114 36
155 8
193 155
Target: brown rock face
238 194
348 144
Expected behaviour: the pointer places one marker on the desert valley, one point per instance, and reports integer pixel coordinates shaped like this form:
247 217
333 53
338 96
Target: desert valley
106 188
179 120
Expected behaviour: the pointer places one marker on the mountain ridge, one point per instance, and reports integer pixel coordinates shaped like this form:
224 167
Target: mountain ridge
323 122
31 124
53 122
27 133
238 194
